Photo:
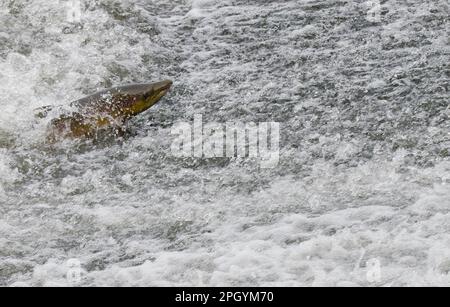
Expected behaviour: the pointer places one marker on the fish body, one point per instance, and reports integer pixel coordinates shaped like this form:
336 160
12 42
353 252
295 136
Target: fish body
110 108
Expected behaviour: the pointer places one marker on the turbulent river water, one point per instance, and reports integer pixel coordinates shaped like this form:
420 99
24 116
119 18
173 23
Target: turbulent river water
361 194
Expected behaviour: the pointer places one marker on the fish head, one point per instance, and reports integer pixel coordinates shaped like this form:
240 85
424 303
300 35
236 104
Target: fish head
142 97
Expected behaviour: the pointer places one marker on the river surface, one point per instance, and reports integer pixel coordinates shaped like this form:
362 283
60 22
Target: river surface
361 193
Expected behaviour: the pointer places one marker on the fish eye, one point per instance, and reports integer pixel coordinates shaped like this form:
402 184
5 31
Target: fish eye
148 94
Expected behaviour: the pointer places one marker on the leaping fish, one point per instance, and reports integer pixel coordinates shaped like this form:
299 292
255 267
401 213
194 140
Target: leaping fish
110 108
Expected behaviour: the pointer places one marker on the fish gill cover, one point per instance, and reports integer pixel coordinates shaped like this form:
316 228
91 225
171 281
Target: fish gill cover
361 92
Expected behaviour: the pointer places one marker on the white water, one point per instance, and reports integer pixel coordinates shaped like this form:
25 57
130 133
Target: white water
364 169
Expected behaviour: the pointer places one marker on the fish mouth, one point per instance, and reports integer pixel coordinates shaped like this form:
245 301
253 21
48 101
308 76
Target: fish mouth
163 86
152 94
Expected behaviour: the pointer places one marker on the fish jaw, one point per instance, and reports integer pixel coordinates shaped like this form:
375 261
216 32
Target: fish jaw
152 93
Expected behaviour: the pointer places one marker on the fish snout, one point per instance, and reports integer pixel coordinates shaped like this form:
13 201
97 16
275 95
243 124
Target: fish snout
163 86
155 92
